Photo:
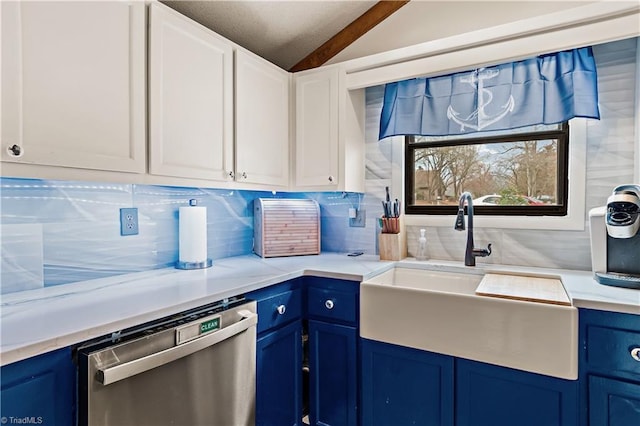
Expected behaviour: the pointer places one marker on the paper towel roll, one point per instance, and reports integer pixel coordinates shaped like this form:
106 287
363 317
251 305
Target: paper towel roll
192 234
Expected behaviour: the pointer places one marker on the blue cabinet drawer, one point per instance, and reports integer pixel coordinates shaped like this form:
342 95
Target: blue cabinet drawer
612 343
279 309
332 304
612 350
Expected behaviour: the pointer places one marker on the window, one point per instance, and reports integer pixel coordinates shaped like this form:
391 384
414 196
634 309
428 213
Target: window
520 172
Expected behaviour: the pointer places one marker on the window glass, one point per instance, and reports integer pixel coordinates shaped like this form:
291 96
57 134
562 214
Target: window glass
520 172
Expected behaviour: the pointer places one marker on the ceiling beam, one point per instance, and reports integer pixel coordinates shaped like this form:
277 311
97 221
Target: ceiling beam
372 17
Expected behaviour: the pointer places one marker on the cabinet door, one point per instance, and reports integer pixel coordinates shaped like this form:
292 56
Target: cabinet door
498 396
262 121
613 402
333 374
190 98
317 132
279 377
40 389
405 386
73 84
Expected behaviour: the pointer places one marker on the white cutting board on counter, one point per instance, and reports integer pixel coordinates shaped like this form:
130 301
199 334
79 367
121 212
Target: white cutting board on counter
532 289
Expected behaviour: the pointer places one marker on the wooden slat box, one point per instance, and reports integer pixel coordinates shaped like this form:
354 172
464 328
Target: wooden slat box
286 227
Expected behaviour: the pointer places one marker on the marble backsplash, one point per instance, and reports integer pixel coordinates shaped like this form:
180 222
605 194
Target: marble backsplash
57 232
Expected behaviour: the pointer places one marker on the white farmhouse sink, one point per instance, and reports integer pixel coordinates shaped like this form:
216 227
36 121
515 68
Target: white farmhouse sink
440 312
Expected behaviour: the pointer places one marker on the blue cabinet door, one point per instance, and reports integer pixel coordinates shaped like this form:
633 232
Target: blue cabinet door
333 374
39 390
498 396
279 377
613 402
405 386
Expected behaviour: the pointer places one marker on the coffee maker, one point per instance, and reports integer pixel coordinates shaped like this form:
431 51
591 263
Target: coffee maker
615 240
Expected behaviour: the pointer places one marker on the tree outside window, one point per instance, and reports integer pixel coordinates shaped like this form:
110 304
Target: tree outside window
521 173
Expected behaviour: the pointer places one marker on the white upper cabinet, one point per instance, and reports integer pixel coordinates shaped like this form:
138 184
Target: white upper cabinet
329 122
190 98
73 84
82 84
262 121
317 143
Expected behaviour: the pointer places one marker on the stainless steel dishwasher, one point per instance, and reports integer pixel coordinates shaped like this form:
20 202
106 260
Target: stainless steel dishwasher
194 368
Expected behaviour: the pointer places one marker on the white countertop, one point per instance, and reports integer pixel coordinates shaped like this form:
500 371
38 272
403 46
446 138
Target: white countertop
38 321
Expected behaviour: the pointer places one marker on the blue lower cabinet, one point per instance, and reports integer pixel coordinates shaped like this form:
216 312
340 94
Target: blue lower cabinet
333 374
498 396
610 367
279 354
613 402
279 377
39 390
405 386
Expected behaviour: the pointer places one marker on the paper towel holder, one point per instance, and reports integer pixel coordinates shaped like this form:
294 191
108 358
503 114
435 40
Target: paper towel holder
194 265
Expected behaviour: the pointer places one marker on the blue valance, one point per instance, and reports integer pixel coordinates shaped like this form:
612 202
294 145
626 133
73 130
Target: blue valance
547 89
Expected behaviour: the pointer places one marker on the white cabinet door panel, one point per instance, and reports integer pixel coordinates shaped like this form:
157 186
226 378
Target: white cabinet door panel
73 79
317 138
262 121
190 99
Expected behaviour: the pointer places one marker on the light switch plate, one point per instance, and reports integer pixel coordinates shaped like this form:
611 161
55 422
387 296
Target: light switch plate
360 220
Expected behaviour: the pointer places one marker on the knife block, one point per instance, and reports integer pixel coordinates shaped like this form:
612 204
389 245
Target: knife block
393 246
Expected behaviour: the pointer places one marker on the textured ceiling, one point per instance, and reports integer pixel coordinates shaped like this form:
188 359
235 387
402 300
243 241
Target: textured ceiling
283 32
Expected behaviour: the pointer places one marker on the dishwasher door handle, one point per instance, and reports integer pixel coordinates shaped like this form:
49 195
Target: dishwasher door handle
116 373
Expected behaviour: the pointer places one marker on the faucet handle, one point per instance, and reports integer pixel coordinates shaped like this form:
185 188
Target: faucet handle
482 252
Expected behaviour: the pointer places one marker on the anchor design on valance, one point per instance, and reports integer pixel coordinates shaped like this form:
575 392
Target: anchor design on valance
479 119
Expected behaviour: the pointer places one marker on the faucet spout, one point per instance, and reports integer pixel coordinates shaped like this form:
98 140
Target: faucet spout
470 252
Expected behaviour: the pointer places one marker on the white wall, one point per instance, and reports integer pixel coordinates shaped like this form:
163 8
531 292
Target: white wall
425 20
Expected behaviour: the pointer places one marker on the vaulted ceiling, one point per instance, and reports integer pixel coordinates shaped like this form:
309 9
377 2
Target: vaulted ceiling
287 32
301 34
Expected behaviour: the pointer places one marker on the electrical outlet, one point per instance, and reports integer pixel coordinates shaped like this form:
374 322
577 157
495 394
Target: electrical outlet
359 221
129 221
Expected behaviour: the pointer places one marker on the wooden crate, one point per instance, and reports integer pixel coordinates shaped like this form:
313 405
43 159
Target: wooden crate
286 227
